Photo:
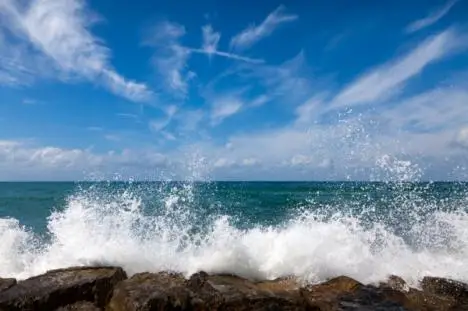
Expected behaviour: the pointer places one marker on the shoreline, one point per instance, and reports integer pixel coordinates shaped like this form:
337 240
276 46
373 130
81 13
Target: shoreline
109 288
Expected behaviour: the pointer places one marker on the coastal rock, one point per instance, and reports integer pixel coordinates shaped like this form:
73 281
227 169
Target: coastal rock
80 306
428 300
62 287
6 284
148 291
445 287
344 293
165 291
229 292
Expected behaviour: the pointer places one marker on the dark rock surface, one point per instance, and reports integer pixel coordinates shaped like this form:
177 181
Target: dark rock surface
6 284
80 306
58 288
109 289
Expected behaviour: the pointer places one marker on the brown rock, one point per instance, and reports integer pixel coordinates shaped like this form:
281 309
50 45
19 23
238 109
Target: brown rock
80 306
58 288
228 292
147 291
164 291
344 293
6 284
324 296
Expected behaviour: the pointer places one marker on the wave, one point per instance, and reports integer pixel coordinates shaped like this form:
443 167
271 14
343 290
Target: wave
99 227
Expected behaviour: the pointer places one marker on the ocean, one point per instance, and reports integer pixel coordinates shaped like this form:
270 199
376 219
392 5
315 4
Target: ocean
258 230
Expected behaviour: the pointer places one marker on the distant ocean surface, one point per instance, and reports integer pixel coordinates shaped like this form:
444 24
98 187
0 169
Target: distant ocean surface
260 230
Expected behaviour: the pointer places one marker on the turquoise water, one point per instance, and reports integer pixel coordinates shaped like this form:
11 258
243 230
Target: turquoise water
313 230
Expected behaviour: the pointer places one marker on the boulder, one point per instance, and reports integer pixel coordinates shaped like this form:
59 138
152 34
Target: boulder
80 306
6 284
344 293
228 292
445 287
148 291
62 287
421 300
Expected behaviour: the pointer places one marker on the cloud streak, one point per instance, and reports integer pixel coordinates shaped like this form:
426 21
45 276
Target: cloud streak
389 79
252 34
432 18
60 30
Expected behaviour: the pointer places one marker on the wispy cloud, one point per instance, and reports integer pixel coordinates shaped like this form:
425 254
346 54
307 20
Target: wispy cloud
253 34
171 57
210 47
158 125
210 39
224 107
390 78
61 31
432 18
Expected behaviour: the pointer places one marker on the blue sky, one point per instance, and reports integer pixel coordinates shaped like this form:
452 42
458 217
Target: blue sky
313 90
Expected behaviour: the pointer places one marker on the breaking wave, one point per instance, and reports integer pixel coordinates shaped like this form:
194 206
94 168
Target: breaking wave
410 237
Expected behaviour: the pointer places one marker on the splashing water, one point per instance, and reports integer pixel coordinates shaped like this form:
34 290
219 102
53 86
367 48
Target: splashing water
166 227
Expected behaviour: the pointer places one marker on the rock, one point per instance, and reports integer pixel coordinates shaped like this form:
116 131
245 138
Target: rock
80 306
165 291
344 293
6 284
147 291
324 296
445 287
63 287
420 300
396 283
228 292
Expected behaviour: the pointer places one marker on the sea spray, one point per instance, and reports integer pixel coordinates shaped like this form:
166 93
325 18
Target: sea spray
364 230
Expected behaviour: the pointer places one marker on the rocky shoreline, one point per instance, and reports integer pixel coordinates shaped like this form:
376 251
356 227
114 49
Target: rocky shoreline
109 289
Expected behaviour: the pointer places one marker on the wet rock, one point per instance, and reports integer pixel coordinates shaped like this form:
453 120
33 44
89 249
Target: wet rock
344 293
396 283
325 296
445 287
428 300
63 287
164 291
235 293
147 291
80 306
6 284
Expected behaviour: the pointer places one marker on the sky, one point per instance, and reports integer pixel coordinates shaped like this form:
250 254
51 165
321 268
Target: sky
231 90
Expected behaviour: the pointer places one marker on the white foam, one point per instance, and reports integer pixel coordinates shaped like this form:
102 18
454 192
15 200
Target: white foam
114 230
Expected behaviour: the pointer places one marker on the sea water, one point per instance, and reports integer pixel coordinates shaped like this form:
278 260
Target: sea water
259 230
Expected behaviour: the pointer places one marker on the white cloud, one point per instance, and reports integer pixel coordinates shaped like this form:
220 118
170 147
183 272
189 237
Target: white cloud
20 160
253 34
224 107
160 124
290 81
210 39
432 18
433 110
171 57
389 79
300 159
461 138
210 47
60 30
